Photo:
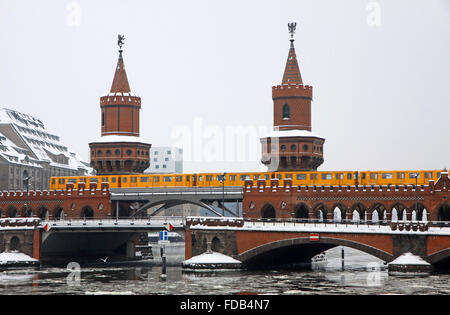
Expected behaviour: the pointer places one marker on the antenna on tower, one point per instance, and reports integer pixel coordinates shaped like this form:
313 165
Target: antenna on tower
292 27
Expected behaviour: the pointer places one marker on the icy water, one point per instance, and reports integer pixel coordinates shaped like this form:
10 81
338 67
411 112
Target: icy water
363 274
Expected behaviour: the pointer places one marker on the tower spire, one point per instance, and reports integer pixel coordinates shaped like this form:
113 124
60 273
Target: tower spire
120 81
292 73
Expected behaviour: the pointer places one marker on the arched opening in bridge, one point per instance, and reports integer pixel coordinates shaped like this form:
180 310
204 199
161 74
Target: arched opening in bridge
339 213
87 213
216 245
397 212
43 213
301 212
419 214
27 212
1 213
268 212
320 212
378 213
11 212
444 212
358 212
297 254
14 244
59 213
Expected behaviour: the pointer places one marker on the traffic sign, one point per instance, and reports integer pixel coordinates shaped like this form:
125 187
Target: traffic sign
314 236
163 237
47 227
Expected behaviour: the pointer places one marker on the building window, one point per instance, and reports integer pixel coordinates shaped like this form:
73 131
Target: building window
103 119
166 159
286 112
156 152
99 153
129 152
156 166
155 160
117 152
169 152
164 166
293 147
305 147
283 148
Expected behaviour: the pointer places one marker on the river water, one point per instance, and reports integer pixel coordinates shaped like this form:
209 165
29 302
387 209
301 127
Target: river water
363 274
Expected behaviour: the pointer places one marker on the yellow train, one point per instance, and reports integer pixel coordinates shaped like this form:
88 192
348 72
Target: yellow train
325 178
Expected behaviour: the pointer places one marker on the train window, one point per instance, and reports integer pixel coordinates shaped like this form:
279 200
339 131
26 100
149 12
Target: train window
413 175
349 175
134 179
145 179
179 178
267 176
188 178
72 180
200 178
301 176
243 177
373 175
113 179
326 176
363 175
124 179
288 176
167 179
279 176
105 179
427 174
93 180
313 176
339 176
232 177
386 175
53 181
400 175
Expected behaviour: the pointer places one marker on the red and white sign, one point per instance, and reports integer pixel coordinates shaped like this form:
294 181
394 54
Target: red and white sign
47 227
168 226
314 236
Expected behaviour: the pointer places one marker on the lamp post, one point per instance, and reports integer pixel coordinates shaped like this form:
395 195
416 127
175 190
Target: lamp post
223 193
27 183
417 211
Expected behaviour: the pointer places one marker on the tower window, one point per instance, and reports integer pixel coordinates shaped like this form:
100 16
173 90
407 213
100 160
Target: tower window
286 112
103 119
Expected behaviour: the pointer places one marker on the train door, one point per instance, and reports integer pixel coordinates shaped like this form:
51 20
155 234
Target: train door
194 180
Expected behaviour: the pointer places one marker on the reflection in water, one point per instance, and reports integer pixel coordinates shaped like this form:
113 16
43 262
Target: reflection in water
363 274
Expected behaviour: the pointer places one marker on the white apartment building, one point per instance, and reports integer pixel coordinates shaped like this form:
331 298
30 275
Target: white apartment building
165 160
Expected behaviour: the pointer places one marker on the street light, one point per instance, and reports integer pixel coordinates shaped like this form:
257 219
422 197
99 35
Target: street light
223 193
27 183
417 211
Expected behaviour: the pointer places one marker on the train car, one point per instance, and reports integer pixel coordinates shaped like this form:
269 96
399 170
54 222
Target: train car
323 178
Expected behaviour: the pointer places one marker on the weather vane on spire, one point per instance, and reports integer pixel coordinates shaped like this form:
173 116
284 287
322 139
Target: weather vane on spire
120 42
292 27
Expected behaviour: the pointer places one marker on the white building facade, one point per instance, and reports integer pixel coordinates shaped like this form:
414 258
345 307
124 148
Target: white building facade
165 160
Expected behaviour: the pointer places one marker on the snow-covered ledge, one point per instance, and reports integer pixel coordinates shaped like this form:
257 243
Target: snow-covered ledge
212 261
409 263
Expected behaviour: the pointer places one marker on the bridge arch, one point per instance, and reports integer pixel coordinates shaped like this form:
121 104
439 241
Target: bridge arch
43 213
358 212
443 212
268 211
166 204
27 212
58 213
339 212
11 212
87 212
301 211
320 211
377 213
298 250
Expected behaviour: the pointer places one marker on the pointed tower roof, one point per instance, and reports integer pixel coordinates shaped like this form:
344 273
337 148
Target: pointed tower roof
120 81
292 73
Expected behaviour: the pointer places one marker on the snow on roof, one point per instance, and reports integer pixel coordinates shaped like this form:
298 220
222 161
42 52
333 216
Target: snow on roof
38 143
115 138
408 259
291 133
211 258
14 256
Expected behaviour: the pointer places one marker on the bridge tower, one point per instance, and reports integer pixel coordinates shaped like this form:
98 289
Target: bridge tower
120 149
292 146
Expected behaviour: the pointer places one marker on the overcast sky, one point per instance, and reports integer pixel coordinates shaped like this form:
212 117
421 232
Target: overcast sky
205 70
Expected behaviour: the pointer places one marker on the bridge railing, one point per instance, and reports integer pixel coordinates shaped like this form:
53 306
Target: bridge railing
174 220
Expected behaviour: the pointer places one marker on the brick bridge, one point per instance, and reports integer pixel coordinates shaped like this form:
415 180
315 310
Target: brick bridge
285 224
265 243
